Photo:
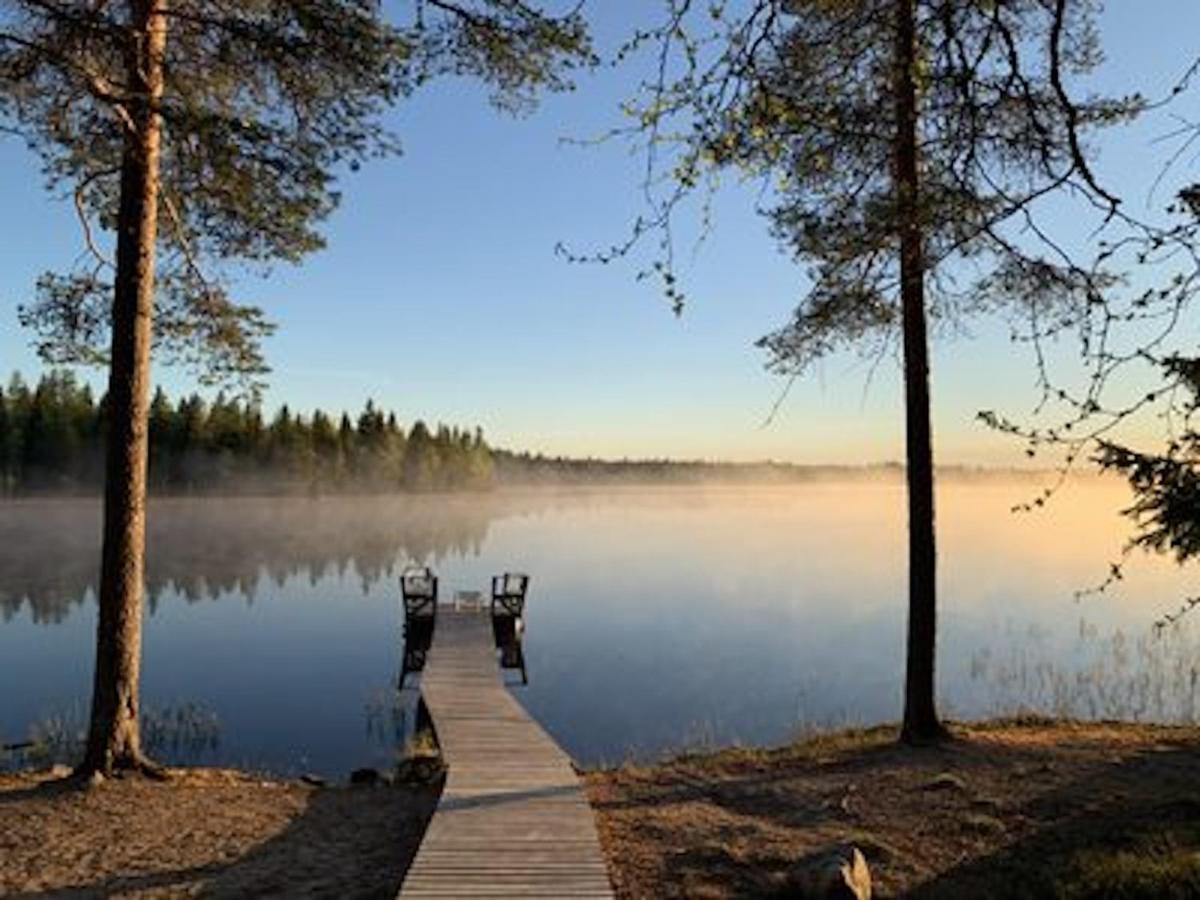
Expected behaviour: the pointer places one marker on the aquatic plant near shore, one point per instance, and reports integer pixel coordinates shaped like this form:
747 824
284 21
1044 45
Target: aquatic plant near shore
1147 677
182 733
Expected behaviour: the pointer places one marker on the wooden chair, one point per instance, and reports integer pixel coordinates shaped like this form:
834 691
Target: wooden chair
508 610
508 593
419 594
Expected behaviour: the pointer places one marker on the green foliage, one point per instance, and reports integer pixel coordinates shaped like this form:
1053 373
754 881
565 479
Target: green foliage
1166 482
1162 866
995 134
509 44
265 105
801 95
51 438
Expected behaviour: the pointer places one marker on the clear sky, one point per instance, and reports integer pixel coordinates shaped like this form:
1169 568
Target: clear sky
440 295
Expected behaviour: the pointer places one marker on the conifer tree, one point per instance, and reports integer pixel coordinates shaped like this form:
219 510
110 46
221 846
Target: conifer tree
906 144
194 131
420 459
5 443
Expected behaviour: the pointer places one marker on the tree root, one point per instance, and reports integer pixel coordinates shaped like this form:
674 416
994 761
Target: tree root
126 764
938 736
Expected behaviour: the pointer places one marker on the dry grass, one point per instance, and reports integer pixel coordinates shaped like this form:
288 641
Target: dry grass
1019 809
210 833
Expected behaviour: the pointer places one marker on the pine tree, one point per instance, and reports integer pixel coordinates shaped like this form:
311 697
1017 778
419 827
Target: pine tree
910 142
230 121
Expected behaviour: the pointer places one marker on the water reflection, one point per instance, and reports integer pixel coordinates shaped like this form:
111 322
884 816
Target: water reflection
656 618
206 549
508 620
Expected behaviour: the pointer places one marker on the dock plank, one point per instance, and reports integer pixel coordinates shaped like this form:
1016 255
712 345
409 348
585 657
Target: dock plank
512 820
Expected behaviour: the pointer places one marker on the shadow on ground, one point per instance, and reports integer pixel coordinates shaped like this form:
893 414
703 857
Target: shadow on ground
1126 829
345 842
1017 811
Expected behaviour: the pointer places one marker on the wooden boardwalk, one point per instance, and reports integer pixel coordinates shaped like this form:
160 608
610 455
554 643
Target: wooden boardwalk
513 820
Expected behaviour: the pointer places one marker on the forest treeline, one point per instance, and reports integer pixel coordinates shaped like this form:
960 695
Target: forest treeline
534 469
52 439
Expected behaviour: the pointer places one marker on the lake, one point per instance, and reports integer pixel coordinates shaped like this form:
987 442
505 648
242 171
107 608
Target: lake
658 618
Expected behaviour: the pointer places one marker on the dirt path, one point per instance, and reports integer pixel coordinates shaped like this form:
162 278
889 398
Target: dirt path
206 833
1006 810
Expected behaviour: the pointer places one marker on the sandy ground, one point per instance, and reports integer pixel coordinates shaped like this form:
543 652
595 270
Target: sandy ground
207 833
1006 810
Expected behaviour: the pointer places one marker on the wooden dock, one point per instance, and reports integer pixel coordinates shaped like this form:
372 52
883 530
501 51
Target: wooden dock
513 820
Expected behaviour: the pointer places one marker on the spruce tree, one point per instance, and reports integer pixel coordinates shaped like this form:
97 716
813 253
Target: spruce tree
5 443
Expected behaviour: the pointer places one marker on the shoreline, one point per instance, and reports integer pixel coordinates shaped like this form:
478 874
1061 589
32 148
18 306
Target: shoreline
1009 808
800 475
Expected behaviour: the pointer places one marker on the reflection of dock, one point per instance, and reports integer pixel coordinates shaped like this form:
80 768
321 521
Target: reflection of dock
513 820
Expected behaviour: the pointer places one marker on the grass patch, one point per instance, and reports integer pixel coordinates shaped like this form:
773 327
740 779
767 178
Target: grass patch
1162 866
420 760
810 748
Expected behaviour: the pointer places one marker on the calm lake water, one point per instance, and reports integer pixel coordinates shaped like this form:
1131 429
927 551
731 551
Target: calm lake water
657 619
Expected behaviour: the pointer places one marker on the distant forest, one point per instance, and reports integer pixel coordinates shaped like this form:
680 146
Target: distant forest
538 469
52 440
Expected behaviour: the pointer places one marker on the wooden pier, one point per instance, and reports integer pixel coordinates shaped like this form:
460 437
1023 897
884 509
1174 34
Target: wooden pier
513 820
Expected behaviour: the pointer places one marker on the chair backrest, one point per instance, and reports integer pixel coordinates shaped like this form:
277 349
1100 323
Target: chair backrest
419 588
508 593
510 584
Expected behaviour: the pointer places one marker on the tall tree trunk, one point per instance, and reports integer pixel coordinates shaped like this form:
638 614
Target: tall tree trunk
920 713
114 740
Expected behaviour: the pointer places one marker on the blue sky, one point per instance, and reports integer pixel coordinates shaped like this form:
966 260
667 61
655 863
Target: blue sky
440 295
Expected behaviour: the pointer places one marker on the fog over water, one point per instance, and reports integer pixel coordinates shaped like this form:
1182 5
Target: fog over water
658 618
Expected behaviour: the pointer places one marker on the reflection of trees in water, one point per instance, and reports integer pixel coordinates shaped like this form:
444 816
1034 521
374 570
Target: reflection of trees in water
49 556
205 548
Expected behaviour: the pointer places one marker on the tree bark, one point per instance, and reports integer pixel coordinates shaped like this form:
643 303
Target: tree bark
114 740
921 722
